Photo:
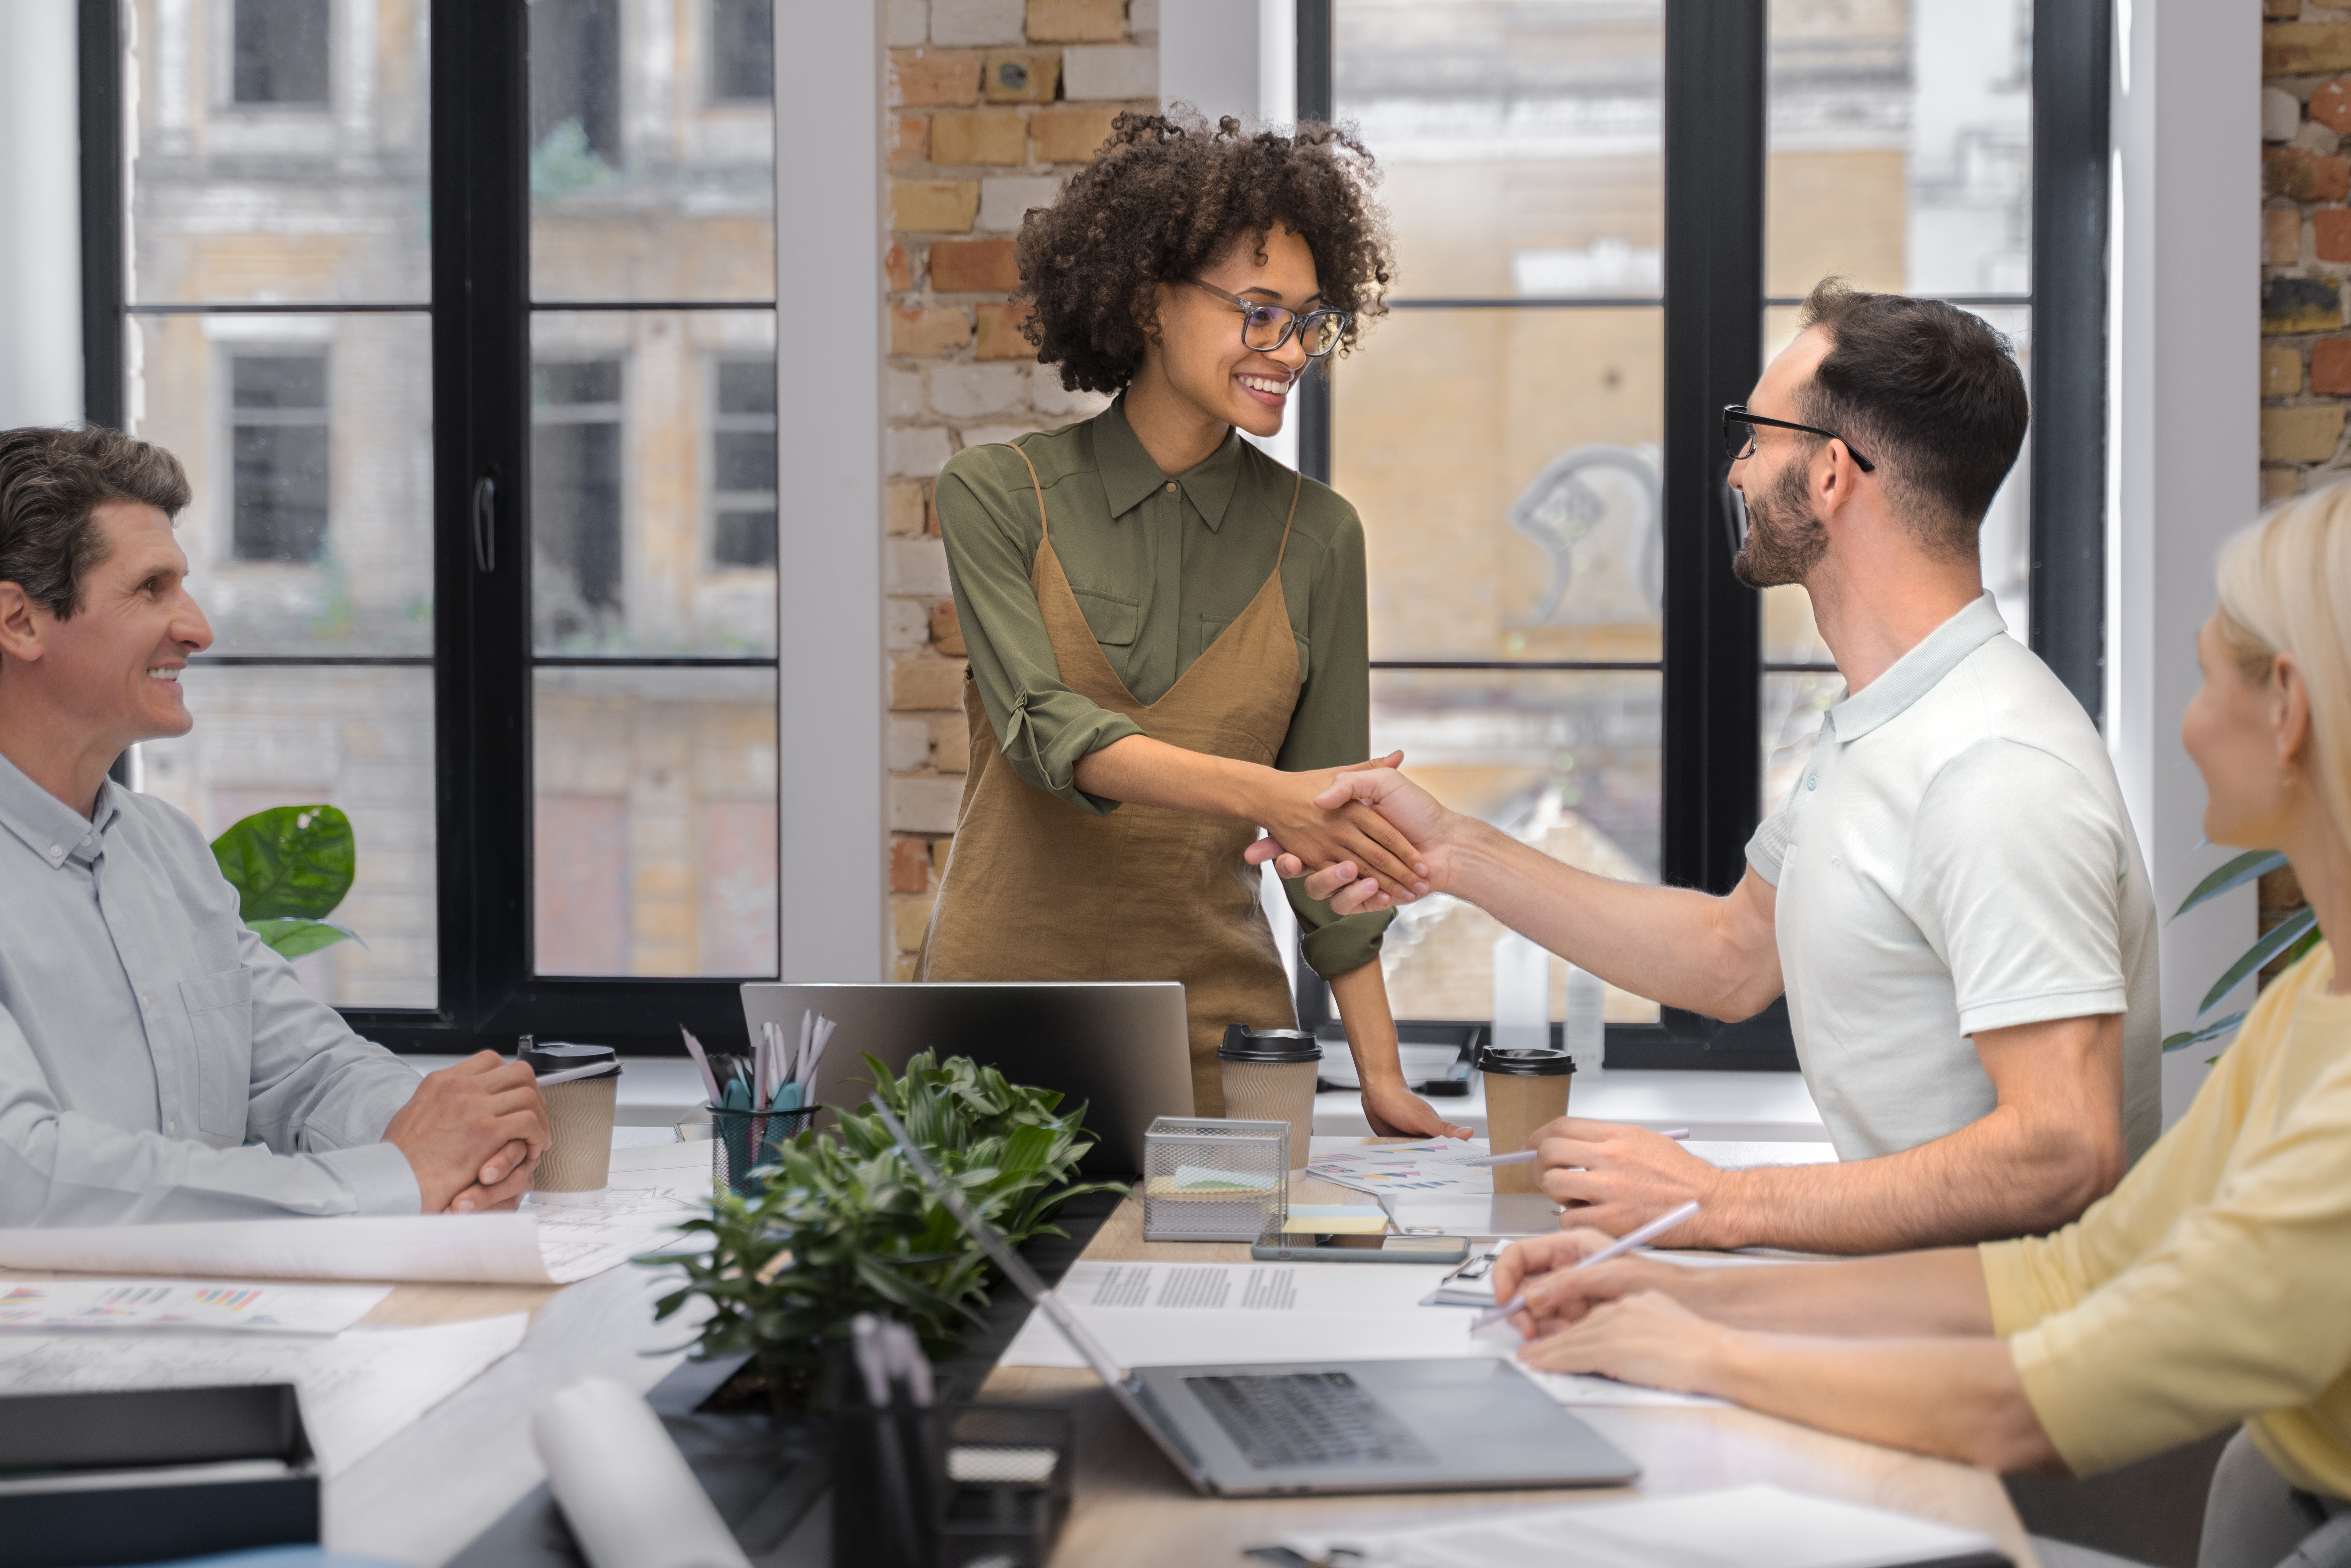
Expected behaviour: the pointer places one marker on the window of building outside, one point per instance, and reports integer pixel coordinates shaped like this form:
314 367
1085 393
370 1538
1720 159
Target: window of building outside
280 338
743 52
1501 432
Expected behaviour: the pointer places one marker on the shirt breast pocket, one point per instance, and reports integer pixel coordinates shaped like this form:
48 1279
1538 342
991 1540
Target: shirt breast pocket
1111 618
220 1023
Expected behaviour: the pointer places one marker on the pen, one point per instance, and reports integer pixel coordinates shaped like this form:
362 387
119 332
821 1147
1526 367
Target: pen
1616 1248
596 1070
1524 1156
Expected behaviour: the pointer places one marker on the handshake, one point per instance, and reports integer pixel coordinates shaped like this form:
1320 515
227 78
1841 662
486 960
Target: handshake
1365 838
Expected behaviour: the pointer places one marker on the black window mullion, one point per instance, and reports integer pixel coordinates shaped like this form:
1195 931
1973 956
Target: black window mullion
2071 47
1317 41
104 364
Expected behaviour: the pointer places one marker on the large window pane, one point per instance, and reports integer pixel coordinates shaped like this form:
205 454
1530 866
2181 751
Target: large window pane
653 151
361 739
309 442
653 482
1505 462
279 151
1900 145
1568 763
653 800
1522 140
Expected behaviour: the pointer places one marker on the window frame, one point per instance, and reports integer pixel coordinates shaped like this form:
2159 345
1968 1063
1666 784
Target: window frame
483 657
1716 107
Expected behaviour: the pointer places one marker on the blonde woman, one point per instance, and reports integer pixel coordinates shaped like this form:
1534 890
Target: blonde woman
2212 1287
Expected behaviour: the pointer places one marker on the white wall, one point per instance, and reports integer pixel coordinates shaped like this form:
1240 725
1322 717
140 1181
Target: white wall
2184 440
40 215
828 360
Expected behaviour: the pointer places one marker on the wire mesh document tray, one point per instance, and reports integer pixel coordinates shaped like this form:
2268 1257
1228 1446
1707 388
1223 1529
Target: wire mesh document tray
1210 1180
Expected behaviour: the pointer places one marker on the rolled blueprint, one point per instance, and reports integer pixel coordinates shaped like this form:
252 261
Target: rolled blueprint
624 1488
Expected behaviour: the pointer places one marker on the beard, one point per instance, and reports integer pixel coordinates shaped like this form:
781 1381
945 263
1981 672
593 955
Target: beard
1784 541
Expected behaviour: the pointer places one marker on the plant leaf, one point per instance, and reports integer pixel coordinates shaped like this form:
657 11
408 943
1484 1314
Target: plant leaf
291 937
2238 871
287 861
2275 940
2212 1030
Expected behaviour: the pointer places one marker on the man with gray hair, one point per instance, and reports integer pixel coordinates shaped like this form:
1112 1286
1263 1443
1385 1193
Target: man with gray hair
158 1061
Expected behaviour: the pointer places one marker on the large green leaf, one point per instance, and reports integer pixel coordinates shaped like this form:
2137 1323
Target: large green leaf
292 936
2212 1030
2275 940
294 861
2240 871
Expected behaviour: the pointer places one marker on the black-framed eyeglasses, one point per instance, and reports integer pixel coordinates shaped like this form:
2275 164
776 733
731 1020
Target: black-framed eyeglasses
1738 435
1265 327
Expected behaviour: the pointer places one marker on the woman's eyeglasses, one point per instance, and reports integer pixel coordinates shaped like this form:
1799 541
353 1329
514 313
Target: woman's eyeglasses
1738 435
1266 327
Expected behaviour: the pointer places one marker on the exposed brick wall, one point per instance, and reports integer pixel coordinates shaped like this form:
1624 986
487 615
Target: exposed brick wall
2305 244
991 104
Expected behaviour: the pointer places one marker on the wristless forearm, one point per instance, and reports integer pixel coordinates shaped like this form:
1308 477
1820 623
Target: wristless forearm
1141 771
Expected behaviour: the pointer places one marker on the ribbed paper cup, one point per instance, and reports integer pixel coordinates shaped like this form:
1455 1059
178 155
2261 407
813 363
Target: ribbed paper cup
1525 1090
578 1160
1268 1076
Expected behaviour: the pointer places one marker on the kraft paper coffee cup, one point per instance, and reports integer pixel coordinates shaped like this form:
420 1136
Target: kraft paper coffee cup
1268 1076
1524 1091
578 1160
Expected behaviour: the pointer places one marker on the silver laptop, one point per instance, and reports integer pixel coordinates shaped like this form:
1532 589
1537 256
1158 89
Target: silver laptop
1120 1046
1447 1425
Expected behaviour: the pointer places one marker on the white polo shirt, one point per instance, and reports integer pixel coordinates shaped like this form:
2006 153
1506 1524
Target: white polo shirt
1956 857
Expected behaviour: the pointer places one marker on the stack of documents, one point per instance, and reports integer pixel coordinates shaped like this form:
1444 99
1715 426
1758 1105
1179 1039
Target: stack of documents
50 1306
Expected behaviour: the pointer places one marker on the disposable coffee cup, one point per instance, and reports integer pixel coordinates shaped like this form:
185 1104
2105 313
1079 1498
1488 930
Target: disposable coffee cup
579 1161
1268 1076
1525 1090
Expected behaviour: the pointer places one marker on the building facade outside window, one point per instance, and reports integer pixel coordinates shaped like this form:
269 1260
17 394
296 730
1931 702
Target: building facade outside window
280 443
280 52
743 465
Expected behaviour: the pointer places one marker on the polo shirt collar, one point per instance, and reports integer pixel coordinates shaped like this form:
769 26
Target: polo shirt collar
1917 672
52 830
1128 474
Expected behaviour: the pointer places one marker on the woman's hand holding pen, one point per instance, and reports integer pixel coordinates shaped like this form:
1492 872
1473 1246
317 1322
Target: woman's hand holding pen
1348 832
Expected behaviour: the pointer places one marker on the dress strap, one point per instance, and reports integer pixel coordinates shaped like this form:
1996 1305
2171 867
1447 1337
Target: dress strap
1045 535
1294 489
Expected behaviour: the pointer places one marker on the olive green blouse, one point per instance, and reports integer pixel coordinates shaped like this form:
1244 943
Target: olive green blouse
1159 567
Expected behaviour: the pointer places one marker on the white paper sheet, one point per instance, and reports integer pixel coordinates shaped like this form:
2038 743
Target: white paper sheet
50 1306
1154 1336
1746 1527
1582 1389
1312 1288
357 1389
1432 1167
538 1246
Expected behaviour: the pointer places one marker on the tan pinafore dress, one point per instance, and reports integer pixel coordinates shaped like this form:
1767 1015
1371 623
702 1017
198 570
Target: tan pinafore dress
1037 889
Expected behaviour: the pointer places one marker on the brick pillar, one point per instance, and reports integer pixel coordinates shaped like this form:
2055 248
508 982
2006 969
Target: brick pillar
2305 246
991 104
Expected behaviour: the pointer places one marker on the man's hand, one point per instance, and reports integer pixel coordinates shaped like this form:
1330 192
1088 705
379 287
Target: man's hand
1395 1111
1614 1178
456 1129
1380 790
502 1183
1318 823
1558 1292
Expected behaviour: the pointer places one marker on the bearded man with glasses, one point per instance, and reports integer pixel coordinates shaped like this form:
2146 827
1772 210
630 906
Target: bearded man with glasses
1951 898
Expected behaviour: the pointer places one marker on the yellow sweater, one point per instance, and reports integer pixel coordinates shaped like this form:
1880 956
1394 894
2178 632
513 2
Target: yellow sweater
2214 1283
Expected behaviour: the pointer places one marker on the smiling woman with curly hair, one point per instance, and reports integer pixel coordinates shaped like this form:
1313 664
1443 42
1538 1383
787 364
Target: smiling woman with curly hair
1167 626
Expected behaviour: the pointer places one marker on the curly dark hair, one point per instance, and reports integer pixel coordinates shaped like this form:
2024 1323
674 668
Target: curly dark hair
1166 196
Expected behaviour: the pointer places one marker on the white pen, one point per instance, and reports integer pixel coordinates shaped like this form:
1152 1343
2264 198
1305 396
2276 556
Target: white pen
596 1070
1616 1248
1524 1156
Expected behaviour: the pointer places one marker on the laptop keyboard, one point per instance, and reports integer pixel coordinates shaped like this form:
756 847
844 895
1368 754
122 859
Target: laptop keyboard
1306 1419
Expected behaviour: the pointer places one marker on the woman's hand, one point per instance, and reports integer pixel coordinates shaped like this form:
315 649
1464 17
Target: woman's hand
1395 1111
1350 885
1545 1270
1349 831
1649 1339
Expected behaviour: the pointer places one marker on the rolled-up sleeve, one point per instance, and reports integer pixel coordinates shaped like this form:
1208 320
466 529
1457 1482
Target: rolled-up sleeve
1331 727
1041 727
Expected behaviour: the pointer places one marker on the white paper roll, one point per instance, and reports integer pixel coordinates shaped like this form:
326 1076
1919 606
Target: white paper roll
625 1489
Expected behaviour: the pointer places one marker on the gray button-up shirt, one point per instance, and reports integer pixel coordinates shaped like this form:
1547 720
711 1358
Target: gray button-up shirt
146 1033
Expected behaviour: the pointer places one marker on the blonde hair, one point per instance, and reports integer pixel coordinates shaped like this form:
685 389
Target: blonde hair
2286 588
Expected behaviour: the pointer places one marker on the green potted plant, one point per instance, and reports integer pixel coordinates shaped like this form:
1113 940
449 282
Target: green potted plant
843 1225
2283 943
291 865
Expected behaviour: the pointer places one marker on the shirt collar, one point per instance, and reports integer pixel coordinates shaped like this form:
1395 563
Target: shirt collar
1917 672
1128 474
52 830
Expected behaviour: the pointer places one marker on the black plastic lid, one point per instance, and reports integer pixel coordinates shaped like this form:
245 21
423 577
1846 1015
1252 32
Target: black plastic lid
1521 1062
1243 1043
558 1056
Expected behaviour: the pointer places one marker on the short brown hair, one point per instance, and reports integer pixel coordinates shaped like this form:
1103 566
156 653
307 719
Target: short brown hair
1167 195
50 480
1934 389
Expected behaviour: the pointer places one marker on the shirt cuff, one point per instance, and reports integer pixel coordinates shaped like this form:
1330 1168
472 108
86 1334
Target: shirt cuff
2016 1304
380 1178
1044 749
2007 1012
1335 945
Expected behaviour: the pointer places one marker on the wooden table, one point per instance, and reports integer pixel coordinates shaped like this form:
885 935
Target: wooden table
1131 1509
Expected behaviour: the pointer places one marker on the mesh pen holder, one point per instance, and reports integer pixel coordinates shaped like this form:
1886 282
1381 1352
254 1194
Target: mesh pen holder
743 1141
1007 1486
1210 1180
